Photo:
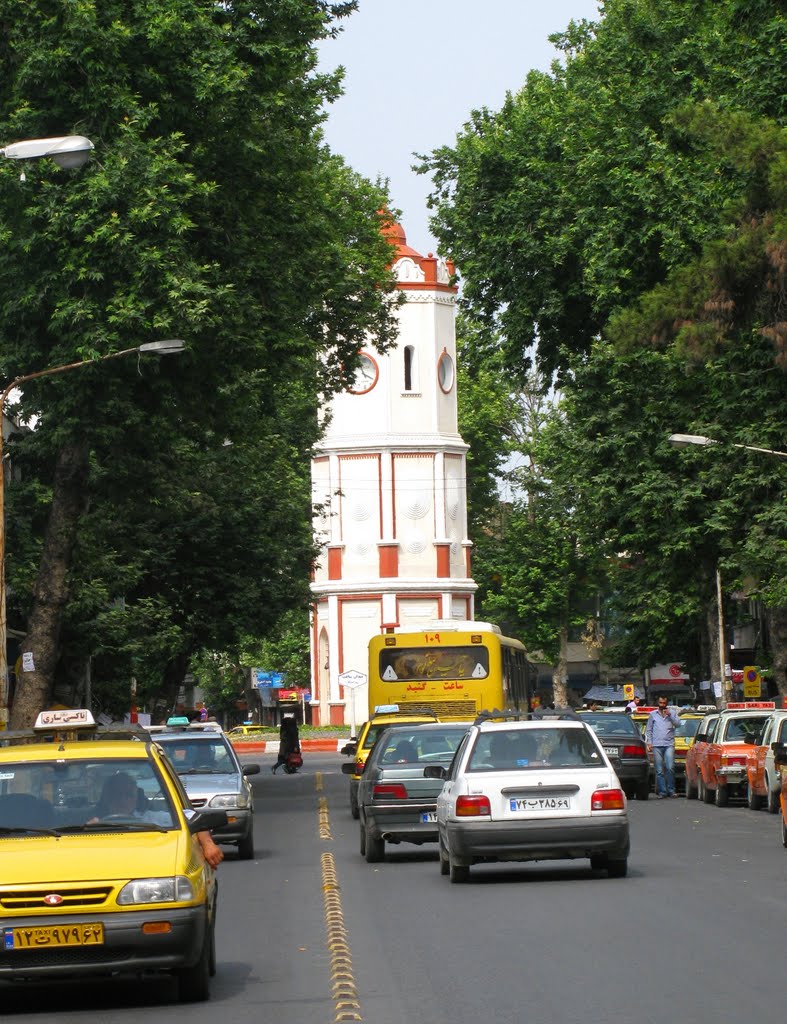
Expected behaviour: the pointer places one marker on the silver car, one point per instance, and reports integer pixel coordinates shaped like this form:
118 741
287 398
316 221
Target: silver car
213 777
396 802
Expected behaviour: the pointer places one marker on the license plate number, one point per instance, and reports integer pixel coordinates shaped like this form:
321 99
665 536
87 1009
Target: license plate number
540 803
429 816
55 935
612 751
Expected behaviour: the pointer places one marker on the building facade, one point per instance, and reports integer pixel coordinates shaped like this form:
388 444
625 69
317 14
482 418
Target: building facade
389 493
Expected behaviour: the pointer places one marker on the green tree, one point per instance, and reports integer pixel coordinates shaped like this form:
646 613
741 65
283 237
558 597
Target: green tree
212 212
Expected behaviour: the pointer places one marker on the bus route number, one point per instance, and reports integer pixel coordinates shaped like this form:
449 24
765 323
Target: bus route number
432 638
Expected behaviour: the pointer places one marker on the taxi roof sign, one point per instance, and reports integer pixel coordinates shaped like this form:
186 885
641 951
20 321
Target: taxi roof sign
65 718
748 705
386 709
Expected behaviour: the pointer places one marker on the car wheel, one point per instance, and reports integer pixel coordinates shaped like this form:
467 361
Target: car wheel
754 800
617 868
708 796
363 841
643 790
354 810
691 791
246 847
444 865
194 982
773 798
457 872
784 832
212 955
598 862
722 795
375 849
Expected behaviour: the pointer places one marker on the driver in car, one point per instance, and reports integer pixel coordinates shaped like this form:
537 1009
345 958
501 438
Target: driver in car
121 797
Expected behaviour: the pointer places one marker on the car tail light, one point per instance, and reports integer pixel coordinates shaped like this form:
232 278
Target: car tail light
633 751
389 791
608 800
472 806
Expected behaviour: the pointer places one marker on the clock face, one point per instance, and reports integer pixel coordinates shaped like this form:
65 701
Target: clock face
445 372
365 376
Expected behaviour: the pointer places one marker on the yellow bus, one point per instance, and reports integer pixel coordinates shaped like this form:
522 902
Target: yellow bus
454 670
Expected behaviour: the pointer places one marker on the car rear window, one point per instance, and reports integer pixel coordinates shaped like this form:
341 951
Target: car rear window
605 724
688 727
413 747
506 750
742 728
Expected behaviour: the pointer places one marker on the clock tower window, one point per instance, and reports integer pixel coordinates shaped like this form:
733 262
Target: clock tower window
409 367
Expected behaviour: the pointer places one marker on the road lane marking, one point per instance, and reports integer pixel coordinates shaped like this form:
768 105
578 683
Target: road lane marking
343 989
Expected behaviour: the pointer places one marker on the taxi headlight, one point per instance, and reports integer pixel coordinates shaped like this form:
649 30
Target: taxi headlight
230 800
176 889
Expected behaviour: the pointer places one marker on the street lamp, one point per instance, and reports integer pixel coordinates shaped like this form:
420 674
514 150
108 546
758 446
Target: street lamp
170 346
687 441
68 151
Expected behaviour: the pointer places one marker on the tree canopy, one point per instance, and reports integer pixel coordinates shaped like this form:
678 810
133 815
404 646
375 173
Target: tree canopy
212 211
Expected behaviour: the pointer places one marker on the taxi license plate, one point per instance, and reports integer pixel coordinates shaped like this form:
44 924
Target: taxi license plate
540 803
428 816
52 936
612 751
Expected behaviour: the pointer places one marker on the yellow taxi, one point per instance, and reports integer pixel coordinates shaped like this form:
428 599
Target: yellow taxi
384 715
239 732
103 871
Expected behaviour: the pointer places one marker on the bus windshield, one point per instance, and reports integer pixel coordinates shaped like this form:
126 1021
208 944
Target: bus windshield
427 663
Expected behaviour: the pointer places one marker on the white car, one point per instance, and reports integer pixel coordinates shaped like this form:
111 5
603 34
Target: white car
542 789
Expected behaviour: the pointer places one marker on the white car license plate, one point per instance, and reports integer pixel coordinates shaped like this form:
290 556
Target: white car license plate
612 751
540 803
429 816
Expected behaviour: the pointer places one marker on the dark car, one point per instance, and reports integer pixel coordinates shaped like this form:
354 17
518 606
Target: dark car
396 802
625 747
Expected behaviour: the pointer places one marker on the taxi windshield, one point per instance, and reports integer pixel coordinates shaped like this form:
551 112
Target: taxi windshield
198 755
121 794
687 728
742 728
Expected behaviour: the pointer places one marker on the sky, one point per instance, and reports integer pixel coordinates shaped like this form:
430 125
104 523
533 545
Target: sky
415 69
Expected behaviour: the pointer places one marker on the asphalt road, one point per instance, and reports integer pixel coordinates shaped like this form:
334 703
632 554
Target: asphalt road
311 934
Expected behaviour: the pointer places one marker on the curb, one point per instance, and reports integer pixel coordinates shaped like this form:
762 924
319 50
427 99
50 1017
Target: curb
331 744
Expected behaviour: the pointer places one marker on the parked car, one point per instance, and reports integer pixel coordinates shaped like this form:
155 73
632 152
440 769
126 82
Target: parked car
718 763
103 873
625 745
384 715
531 790
396 802
764 783
213 777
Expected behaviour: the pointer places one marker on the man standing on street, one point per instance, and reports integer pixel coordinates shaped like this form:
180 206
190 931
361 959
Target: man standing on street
660 738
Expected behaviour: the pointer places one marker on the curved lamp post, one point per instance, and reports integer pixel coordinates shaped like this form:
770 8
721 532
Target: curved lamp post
69 151
170 346
688 441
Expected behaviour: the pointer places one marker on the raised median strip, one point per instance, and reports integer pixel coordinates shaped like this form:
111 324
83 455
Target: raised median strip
329 743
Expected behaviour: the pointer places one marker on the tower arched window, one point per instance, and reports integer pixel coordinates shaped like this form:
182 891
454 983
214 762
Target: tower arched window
410 377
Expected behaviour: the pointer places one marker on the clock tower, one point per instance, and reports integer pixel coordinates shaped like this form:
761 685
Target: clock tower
389 492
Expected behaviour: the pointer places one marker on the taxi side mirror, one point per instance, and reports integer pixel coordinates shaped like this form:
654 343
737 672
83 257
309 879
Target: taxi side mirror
348 768
435 771
349 749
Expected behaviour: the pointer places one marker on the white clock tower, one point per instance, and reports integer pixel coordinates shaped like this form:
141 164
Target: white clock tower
389 493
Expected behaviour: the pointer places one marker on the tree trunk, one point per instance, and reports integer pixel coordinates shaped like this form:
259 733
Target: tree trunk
777 630
40 647
560 674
